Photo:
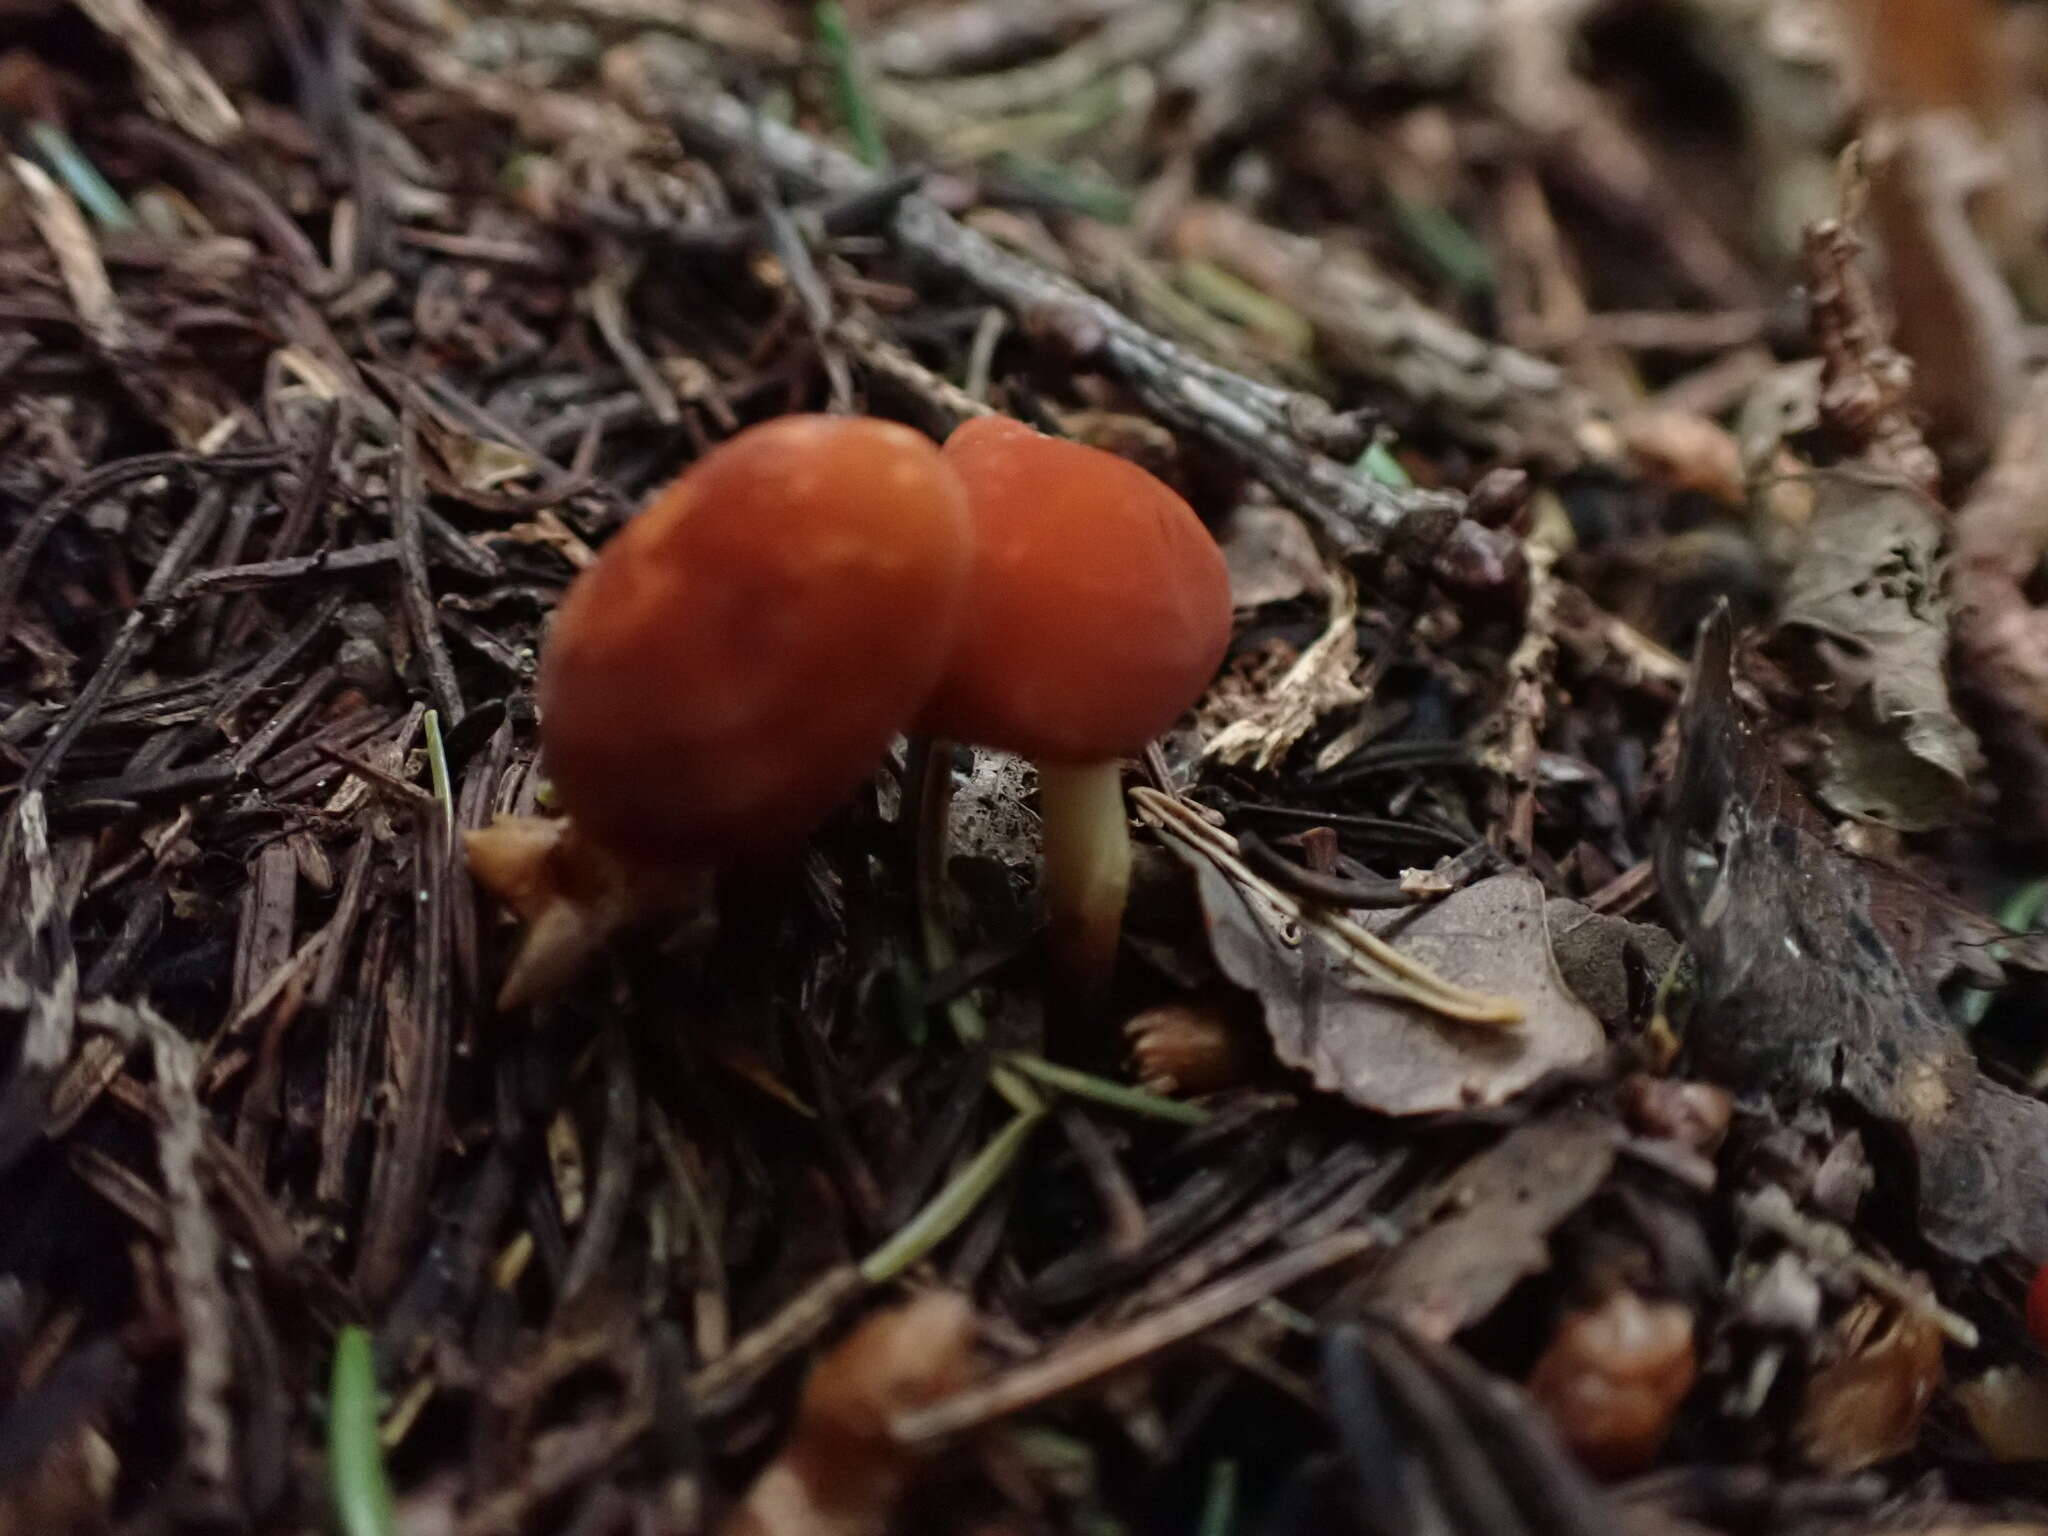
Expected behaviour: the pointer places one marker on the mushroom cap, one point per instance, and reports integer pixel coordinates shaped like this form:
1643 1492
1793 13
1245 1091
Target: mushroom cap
740 655
1099 606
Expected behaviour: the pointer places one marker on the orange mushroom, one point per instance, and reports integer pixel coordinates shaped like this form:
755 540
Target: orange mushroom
1098 611
730 669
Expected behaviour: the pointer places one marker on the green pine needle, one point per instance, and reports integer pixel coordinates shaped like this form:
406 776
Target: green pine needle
355 1460
861 122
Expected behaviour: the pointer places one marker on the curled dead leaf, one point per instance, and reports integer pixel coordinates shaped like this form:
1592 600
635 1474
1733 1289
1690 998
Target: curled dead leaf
1368 961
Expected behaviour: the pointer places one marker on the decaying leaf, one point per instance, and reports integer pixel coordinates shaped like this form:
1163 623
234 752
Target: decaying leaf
1497 1213
991 816
1802 994
1608 962
1865 1406
1867 596
1271 555
1355 1036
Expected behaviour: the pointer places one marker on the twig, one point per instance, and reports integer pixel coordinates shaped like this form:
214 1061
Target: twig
103 481
1498 397
285 239
288 645
1276 433
39 956
718 1385
606 296
195 1257
178 555
606 1213
1527 703
1134 35
813 297
270 573
738 29
408 506
961 39
951 403
175 82
1772 1209
1867 382
403 1175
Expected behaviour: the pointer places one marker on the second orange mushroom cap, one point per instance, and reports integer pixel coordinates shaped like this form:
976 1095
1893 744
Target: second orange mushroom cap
1099 605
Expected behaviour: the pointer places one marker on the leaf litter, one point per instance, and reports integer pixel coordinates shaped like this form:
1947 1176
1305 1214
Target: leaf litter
338 339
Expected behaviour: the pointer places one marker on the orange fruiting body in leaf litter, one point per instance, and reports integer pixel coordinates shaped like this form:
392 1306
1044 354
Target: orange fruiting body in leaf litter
1099 607
739 657
1098 610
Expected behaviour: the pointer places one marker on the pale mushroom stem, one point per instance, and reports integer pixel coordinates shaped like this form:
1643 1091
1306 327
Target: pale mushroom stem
1087 870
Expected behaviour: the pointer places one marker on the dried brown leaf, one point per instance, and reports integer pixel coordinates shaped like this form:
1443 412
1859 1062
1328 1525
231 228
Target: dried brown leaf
1498 1213
1867 597
1384 1051
1271 555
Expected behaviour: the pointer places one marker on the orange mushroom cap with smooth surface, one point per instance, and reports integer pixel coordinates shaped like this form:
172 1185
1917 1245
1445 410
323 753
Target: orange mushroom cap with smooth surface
1098 610
1099 607
742 652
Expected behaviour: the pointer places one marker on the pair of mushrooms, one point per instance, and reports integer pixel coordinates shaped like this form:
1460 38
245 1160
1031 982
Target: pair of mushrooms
739 657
